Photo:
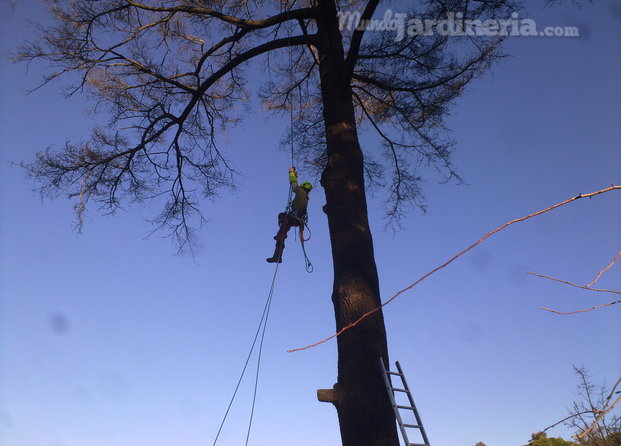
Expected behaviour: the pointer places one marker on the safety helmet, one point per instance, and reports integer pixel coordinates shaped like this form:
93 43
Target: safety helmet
307 185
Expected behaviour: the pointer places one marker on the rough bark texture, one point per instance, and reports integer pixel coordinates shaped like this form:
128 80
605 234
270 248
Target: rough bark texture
360 398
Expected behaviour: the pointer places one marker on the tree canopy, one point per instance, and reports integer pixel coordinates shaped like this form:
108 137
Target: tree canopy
542 439
172 75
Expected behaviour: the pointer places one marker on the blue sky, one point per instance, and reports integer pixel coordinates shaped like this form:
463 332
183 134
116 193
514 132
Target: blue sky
108 338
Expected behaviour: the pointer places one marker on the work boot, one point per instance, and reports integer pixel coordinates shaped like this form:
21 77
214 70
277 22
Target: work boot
277 257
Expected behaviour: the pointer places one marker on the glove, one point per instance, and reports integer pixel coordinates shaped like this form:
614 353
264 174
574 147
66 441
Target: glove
293 175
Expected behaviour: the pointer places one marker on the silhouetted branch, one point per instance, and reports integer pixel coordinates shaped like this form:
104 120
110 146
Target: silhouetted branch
169 75
154 69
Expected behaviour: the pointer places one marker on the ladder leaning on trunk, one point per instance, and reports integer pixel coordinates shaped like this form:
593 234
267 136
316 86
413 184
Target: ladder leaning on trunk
386 373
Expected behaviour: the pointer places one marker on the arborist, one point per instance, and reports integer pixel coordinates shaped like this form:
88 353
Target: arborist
294 216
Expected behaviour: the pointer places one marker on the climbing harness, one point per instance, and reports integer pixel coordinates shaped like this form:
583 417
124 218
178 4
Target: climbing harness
302 223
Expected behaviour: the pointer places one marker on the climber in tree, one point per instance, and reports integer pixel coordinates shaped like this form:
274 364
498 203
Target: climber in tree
295 215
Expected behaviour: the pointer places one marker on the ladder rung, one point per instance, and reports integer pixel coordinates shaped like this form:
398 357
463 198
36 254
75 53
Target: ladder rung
396 407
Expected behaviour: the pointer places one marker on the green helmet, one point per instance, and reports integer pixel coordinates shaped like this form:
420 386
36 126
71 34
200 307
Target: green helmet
307 185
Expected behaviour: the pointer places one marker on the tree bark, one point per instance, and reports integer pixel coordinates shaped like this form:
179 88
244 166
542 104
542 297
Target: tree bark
364 411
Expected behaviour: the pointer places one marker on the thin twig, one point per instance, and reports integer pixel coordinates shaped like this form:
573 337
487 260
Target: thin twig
535 437
456 256
590 409
601 415
582 311
605 269
586 287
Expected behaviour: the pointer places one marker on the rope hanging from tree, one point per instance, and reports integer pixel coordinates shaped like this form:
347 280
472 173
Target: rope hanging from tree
266 310
260 330
308 265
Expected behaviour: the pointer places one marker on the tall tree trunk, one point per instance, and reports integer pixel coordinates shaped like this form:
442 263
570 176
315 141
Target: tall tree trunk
365 415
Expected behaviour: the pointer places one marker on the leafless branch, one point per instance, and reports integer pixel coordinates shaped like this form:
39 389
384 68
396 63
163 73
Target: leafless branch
590 413
564 420
170 77
585 287
594 281
169 86
582 311
574 284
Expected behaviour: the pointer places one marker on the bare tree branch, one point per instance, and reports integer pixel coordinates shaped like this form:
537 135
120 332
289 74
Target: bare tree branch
575 285
585 287
172 90
592 411
590 414
582 311
170 77
594 281
564 420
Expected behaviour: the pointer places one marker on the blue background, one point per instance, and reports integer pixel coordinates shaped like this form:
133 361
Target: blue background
108 338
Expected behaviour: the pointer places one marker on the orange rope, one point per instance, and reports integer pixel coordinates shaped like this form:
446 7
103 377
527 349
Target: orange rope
456 256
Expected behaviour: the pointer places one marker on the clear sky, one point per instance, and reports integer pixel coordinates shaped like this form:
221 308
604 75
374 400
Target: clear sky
108 338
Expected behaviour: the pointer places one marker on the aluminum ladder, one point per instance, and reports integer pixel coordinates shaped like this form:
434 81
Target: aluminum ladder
386 373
